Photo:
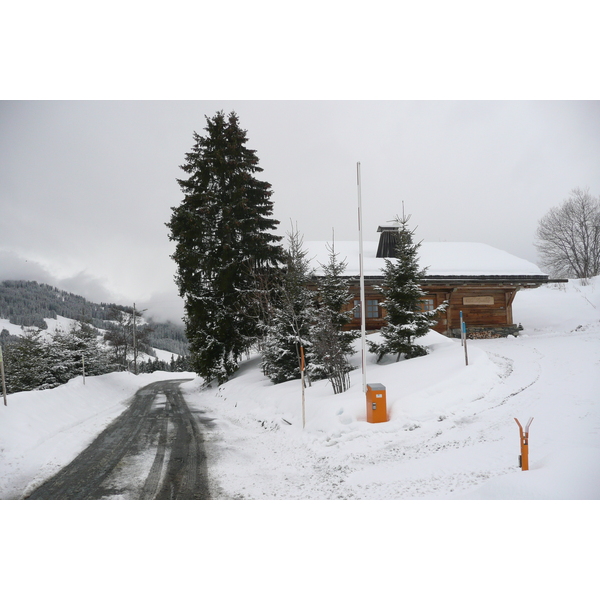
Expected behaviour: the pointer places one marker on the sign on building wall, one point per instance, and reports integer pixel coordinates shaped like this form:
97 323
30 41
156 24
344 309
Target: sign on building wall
478 300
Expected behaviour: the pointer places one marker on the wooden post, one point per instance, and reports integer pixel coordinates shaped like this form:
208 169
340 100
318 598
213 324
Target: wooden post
449 314
524 435
302 365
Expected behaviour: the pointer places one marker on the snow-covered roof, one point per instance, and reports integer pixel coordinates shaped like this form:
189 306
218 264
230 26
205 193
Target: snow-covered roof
442 259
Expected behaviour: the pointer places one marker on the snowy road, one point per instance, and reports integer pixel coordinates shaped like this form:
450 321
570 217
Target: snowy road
154 450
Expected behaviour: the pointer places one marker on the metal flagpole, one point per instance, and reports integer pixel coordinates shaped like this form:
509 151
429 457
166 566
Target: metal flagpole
362 284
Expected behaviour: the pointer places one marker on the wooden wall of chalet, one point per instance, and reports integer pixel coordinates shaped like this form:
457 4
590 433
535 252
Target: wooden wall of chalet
372 323
482 306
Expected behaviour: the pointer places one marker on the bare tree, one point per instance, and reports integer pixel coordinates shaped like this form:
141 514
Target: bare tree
568 237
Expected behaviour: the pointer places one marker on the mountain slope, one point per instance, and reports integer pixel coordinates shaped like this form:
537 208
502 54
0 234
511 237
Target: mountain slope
28 303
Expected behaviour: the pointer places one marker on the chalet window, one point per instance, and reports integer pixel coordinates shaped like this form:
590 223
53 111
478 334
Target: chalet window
372 309
427 304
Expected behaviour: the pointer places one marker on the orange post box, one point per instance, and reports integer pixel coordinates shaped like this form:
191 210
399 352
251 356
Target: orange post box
376 403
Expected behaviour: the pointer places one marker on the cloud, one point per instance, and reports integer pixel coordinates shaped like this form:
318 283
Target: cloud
165 306
91 288
92 212
15 267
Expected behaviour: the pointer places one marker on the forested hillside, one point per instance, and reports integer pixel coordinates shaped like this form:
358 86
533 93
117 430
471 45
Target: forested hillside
28 303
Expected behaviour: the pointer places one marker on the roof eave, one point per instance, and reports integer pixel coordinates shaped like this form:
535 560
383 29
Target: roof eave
461 280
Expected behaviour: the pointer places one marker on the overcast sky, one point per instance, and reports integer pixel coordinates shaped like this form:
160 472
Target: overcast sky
86 187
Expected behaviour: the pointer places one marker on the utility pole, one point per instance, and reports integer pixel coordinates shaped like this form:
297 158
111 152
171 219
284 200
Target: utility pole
134 342
2 376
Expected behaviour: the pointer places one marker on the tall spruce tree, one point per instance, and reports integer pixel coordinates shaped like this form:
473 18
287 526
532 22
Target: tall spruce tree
403 295
222 231
331 344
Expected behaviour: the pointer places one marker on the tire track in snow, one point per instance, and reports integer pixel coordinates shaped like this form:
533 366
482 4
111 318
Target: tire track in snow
100 471
509 373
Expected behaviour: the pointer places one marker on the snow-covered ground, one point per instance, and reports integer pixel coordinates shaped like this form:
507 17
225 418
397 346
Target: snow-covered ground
64 324
451 432
451 435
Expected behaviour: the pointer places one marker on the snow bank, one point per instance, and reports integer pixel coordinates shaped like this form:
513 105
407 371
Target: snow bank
571 474
451 432
559 308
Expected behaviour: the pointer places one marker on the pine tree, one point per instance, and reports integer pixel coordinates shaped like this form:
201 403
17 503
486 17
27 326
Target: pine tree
289 329
403 295
26 362
331 345
221 229
78 349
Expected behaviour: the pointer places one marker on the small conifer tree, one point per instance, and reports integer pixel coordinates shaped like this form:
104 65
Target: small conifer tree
289 330
26 362
78 352
331 344
406 319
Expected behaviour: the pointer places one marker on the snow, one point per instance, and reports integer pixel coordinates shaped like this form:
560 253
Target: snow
161 355
451 432
64 324
41 431
451 435
11 327
440 258
58 324
53 325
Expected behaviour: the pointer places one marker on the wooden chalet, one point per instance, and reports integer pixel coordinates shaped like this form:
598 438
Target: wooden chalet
477 279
